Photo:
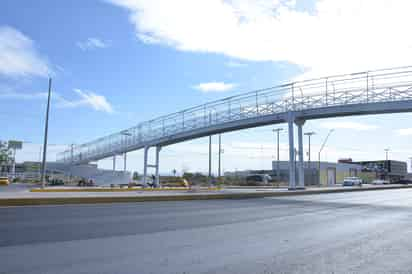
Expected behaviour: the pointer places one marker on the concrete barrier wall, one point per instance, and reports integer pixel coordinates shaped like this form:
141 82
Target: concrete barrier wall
90 171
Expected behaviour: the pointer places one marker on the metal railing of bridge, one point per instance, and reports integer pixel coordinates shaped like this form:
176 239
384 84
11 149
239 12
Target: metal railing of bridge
385 85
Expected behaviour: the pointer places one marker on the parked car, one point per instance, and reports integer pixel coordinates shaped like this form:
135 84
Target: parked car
4 181
403 182
380 182
352 181
258 179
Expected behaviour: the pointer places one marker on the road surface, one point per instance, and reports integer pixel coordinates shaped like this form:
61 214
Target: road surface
362 232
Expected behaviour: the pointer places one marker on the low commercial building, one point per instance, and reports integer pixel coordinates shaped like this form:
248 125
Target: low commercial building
390 170
330 173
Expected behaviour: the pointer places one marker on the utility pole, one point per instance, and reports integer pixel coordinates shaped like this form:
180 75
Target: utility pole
210 159
321 148
220 152
386 152
46 129
309 134
72 152
277 130
13 169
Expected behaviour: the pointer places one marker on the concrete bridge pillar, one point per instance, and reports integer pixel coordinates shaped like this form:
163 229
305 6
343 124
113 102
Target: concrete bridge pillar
292 182
146 150
124 161
301 183
157 182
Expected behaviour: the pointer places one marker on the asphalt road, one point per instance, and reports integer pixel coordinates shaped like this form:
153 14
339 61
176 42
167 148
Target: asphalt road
363 232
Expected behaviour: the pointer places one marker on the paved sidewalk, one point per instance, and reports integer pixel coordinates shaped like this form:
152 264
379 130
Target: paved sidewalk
20 194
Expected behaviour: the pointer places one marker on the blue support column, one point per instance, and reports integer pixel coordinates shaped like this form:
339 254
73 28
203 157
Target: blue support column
301 183
292 182
146 150
157 183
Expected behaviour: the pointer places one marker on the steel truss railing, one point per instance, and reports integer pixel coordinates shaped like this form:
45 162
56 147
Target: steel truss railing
386 85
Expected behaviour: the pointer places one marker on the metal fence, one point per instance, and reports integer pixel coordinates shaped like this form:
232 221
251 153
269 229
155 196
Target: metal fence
386 85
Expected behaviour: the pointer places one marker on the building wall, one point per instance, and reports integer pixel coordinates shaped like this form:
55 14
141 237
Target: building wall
341 170
90 171
386 169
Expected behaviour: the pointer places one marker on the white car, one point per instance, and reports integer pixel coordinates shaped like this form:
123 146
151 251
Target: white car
352 181
380 182
259 179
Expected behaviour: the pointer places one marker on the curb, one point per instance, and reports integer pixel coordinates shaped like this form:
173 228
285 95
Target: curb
49 190
188 197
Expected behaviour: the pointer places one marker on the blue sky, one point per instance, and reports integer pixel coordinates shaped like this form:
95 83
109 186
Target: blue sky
117 63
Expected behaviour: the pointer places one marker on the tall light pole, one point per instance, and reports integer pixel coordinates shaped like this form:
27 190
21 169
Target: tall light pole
277 130
386 152
71 153
309 134
13 168
46 129
210 159
220 152
321 148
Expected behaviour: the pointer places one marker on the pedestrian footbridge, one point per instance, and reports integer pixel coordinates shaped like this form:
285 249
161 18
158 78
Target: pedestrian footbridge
370 92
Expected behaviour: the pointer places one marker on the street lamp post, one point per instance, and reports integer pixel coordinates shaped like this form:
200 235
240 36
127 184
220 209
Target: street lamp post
321 148
210 160
386 152
46 129
309 134
277 130
71 153
220 155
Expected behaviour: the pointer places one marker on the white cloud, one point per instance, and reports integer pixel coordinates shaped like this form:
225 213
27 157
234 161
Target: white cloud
214 87
91 99
92 43
233 64
348 125
87 98
405 131
334 37
148 39
18 55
